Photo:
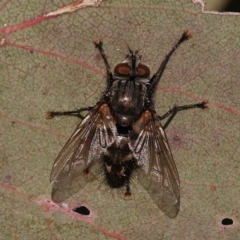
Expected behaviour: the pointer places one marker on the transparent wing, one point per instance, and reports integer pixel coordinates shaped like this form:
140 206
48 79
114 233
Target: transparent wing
158 173
80 158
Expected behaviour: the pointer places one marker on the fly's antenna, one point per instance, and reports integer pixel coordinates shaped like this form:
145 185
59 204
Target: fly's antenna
129 49
137 51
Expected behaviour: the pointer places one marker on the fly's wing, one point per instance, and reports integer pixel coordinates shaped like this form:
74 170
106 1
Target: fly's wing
158 172
80 159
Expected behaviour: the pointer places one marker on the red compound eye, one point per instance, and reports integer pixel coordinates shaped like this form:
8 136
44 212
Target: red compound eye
143 70
122 69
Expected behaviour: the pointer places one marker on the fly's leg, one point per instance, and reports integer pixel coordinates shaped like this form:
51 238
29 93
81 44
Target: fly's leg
77 113
128 195
157 76
173 111
99 46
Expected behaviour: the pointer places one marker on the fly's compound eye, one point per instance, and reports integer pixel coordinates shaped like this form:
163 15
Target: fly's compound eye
122 69
143 70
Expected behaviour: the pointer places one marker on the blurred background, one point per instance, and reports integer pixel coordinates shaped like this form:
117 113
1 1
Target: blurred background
223 5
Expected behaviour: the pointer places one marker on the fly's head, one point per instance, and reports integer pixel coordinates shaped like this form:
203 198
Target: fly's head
131 67
119 164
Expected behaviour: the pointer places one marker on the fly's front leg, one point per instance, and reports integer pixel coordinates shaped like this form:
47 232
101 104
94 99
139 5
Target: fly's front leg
99 46
173 111
157 76
77 113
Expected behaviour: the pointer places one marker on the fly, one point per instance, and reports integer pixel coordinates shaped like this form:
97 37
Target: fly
122 136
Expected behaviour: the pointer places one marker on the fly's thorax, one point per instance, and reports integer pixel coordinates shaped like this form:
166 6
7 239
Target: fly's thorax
127 99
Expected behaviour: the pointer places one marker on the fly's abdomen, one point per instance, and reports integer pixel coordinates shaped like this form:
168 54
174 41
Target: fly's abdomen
119 163
127 101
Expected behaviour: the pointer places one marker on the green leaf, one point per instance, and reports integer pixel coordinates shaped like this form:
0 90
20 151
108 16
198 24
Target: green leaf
50 63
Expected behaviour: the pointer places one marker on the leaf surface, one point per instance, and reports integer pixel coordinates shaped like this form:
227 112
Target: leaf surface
50 63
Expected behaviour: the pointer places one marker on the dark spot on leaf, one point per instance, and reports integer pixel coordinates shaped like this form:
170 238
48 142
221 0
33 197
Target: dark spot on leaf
179 139
227 221
8 177
176 138
213 188
45 91
82 210
31 51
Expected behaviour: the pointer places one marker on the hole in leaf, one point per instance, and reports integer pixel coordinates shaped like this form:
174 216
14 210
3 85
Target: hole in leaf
82 210
227 221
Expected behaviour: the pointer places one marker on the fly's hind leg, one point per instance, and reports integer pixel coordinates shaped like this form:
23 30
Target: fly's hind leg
76 113
173 111
128 194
